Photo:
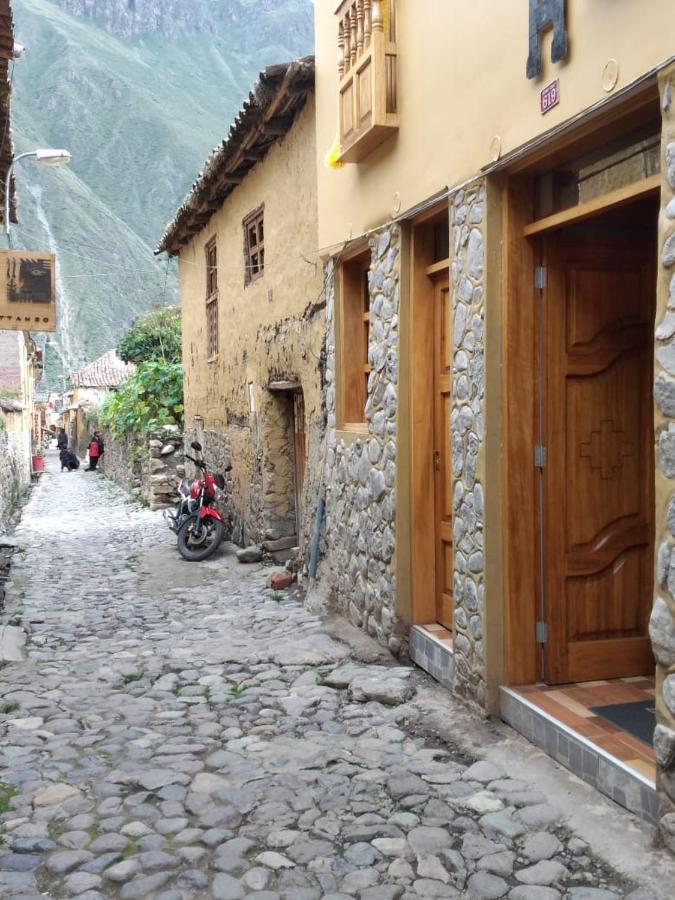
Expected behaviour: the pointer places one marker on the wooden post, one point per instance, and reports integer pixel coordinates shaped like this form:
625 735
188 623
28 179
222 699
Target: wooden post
341 51
367 24
378 21
359 27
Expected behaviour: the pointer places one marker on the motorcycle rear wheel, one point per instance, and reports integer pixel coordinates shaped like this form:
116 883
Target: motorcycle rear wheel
197 549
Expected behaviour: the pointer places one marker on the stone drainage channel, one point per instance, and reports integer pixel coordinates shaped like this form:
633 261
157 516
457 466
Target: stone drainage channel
177 731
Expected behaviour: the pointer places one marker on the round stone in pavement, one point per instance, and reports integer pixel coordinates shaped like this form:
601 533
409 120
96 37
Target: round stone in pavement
530 892
545 872
484 886
541 845
590 893
427 887
225 887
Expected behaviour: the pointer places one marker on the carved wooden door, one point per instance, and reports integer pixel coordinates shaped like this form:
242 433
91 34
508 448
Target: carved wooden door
599 472
442 455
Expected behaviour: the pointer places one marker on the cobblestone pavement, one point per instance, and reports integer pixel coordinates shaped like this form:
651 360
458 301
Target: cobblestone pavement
178 732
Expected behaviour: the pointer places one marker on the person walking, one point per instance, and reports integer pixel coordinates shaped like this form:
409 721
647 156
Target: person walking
101 445
94 453
62 440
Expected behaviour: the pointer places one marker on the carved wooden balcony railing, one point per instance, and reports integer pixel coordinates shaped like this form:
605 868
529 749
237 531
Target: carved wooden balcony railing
367 76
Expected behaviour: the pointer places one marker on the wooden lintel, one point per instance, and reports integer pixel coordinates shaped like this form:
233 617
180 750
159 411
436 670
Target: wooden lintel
583 211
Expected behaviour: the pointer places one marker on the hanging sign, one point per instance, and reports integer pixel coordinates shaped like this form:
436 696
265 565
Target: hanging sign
27 291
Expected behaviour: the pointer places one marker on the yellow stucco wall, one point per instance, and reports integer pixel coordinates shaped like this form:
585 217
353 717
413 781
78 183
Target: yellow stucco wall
265 332
461 83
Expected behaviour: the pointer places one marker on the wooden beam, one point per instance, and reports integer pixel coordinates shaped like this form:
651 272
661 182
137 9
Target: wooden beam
277 126
583 211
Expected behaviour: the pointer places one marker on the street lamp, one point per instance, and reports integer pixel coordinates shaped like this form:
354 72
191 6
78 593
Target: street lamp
48 157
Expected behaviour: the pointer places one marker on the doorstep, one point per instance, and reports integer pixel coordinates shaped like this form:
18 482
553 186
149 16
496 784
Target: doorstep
612 761
430 647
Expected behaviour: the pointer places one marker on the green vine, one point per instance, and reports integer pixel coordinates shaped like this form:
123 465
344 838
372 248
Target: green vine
150 398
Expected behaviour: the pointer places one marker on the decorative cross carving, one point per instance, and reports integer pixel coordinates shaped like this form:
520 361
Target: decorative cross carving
607 449
546 14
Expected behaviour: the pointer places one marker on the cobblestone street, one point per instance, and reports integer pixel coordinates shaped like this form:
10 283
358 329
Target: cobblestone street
179 731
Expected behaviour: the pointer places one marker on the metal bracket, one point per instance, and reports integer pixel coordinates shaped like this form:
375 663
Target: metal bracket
539 456
542 632
540 277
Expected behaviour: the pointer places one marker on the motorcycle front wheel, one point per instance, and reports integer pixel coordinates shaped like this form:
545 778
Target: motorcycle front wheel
198 543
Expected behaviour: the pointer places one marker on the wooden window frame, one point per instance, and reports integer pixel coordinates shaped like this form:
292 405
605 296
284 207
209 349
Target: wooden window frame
254 253
211 302
367 78
353 340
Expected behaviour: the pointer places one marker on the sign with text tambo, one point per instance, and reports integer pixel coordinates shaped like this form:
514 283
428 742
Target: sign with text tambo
27 291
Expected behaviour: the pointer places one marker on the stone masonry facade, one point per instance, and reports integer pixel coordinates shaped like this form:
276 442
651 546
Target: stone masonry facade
467 239
662 624
150 466
11 482
360 471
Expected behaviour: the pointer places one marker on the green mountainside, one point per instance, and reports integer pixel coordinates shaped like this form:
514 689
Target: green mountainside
140 104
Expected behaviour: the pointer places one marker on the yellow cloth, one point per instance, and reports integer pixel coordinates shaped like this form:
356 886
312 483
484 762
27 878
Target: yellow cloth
331 159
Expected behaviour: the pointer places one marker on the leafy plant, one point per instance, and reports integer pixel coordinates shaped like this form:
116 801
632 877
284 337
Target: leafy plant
151 397
156 335
8 708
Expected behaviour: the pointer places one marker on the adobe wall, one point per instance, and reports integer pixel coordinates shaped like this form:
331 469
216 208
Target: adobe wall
271 330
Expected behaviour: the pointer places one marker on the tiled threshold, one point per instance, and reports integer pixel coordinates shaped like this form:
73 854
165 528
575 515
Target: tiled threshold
627 783
430 647
626 776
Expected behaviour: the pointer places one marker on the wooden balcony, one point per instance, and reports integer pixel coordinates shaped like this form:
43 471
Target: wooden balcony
367 76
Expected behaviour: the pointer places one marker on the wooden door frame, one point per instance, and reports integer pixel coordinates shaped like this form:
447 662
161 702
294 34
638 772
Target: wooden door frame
421 429
520 415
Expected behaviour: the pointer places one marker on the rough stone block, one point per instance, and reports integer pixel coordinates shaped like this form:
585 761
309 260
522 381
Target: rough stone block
664 746
662 633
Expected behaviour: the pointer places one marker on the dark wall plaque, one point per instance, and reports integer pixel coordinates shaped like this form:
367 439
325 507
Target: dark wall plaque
546 14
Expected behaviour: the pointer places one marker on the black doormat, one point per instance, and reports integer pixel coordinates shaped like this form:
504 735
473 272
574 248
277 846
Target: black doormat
637 719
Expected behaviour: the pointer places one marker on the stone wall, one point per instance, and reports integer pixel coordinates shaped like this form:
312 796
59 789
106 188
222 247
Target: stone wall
662 624
149 466
467 214
11 481
360 470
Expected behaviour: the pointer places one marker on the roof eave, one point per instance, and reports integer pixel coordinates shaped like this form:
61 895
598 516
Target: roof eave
268 114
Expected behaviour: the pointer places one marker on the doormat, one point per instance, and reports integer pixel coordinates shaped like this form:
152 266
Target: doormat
637 719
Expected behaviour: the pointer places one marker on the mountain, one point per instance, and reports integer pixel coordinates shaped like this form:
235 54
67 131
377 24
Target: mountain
139 91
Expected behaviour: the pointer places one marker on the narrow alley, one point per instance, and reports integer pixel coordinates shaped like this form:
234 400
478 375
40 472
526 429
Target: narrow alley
179 731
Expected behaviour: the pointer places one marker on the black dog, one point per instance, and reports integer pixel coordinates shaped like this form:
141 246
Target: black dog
69 460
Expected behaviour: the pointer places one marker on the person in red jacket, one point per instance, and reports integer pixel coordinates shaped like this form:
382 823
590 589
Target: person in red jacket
94 453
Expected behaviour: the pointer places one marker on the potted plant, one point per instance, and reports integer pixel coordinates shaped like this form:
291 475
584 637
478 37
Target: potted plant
38 460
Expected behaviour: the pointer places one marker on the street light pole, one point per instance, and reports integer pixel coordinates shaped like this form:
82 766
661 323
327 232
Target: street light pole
47 157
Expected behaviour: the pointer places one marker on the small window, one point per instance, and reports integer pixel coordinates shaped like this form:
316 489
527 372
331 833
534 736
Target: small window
211 300
354 340
254 245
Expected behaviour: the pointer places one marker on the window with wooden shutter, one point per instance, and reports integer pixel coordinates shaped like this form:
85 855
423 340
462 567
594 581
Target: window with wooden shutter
211 300
354 339
366 75
254 245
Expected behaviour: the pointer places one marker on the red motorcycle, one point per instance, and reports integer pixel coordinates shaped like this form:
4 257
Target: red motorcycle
199 526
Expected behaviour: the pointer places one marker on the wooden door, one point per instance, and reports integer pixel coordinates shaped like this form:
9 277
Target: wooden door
299 454
442 454
599 470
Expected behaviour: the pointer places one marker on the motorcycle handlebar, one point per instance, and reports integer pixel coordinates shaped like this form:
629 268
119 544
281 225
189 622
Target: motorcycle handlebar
198 462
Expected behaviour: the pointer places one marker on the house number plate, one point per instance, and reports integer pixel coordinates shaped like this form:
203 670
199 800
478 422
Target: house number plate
550 96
